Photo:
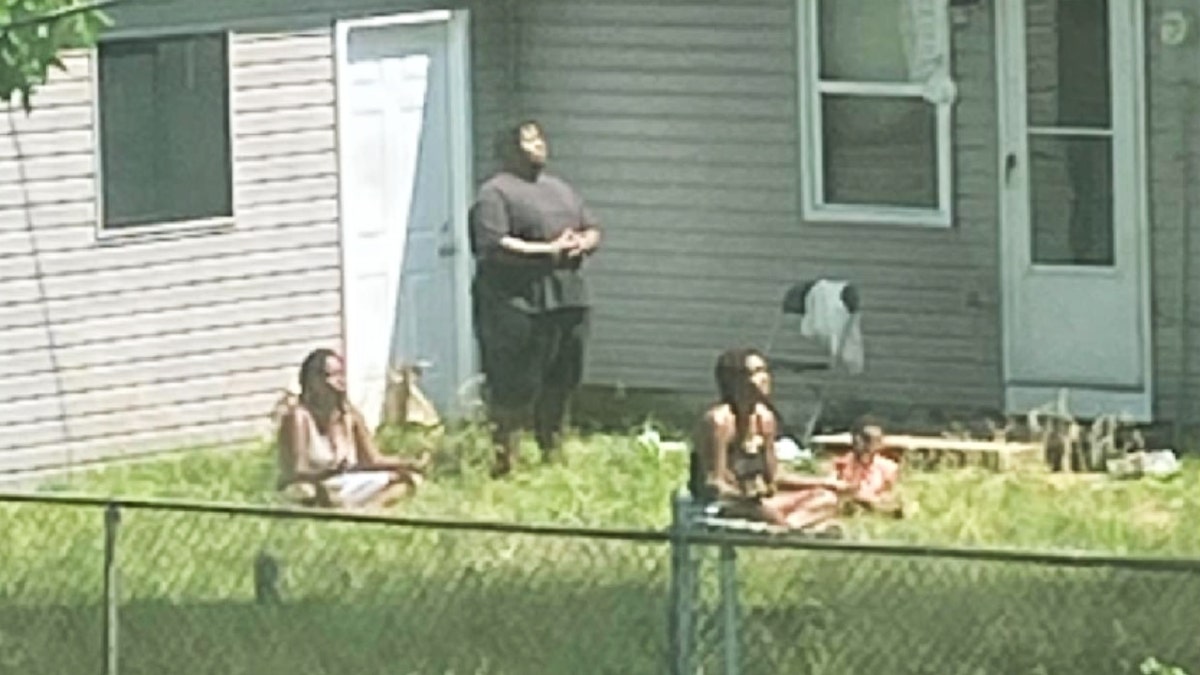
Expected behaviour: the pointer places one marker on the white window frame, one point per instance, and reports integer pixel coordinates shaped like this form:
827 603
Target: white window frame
166 228
811 89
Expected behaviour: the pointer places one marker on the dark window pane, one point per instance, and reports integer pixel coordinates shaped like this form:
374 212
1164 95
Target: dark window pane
164 130
880 151
1071 200
1067 67
861 41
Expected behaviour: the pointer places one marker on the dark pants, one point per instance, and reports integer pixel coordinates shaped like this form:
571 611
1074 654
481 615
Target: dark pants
533 363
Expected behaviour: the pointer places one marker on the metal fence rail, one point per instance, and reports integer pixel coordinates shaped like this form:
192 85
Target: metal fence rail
93 585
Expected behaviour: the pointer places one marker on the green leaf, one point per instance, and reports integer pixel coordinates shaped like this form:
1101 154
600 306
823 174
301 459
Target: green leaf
33 33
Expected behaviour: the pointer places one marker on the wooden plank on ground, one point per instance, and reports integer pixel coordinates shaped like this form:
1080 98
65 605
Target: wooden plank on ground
935 451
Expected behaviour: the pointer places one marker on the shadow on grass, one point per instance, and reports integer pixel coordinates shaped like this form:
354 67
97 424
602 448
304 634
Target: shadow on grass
602 629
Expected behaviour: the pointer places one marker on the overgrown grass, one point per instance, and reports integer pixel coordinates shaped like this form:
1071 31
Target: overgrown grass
612 482
374 599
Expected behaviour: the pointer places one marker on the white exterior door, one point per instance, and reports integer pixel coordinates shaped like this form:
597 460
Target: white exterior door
402 106
1073 219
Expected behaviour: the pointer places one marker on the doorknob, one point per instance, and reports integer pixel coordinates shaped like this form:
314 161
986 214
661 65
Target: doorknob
1010 163
449 249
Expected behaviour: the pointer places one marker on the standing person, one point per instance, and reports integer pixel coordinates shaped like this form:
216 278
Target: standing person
530 234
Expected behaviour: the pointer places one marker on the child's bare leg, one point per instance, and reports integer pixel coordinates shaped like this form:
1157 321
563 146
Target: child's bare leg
748 509
801 509
817 512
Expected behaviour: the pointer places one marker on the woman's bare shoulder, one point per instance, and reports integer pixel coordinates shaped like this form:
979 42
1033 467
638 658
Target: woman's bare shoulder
763 409
717 412
292 428
292 415
717 418
295 411
766 414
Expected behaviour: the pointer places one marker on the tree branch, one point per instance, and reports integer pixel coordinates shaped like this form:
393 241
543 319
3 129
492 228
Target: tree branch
51 17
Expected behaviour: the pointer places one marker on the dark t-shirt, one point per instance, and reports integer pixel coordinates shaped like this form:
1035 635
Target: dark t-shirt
538 210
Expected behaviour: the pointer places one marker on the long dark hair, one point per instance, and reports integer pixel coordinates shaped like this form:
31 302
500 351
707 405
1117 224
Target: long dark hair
737 391
322 400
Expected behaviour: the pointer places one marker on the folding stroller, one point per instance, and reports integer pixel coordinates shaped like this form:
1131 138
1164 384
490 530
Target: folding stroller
830 339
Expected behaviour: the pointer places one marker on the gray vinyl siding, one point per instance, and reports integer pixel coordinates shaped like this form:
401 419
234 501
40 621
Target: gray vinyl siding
493 104
491 41
678 122
116 347
135 346
1173 103
677 119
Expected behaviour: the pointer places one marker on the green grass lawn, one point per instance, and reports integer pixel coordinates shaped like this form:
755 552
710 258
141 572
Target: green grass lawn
375 599
611 482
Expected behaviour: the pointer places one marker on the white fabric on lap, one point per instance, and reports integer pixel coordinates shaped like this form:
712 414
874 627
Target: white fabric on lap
357 487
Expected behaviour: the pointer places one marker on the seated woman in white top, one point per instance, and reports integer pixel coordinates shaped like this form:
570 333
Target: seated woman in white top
326 452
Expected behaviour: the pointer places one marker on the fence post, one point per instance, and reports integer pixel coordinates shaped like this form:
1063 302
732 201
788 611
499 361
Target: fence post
680 597
729 609
112 519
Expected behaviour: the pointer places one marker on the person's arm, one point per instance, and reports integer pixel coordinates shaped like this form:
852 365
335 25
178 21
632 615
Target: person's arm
712 442
587 235
768 430
877 491
796 481
366 452
586 242
827 479
493 238
515 246
889 473
370 457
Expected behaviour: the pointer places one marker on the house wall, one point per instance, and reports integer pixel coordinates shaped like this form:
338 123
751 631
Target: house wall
678 122
1173 103
135 345
491 38
148 344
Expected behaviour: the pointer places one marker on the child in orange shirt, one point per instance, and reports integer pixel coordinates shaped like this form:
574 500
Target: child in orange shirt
869 476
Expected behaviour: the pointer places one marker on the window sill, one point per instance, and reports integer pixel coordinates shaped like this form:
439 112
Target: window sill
163 231
900 217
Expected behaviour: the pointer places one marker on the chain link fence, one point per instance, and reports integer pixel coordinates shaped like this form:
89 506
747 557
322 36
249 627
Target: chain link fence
143 587
917 611
229 590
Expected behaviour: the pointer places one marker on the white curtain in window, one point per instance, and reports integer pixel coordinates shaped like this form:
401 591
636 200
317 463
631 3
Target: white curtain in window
925 32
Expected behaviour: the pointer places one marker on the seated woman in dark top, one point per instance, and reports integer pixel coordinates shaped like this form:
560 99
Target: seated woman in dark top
733 459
